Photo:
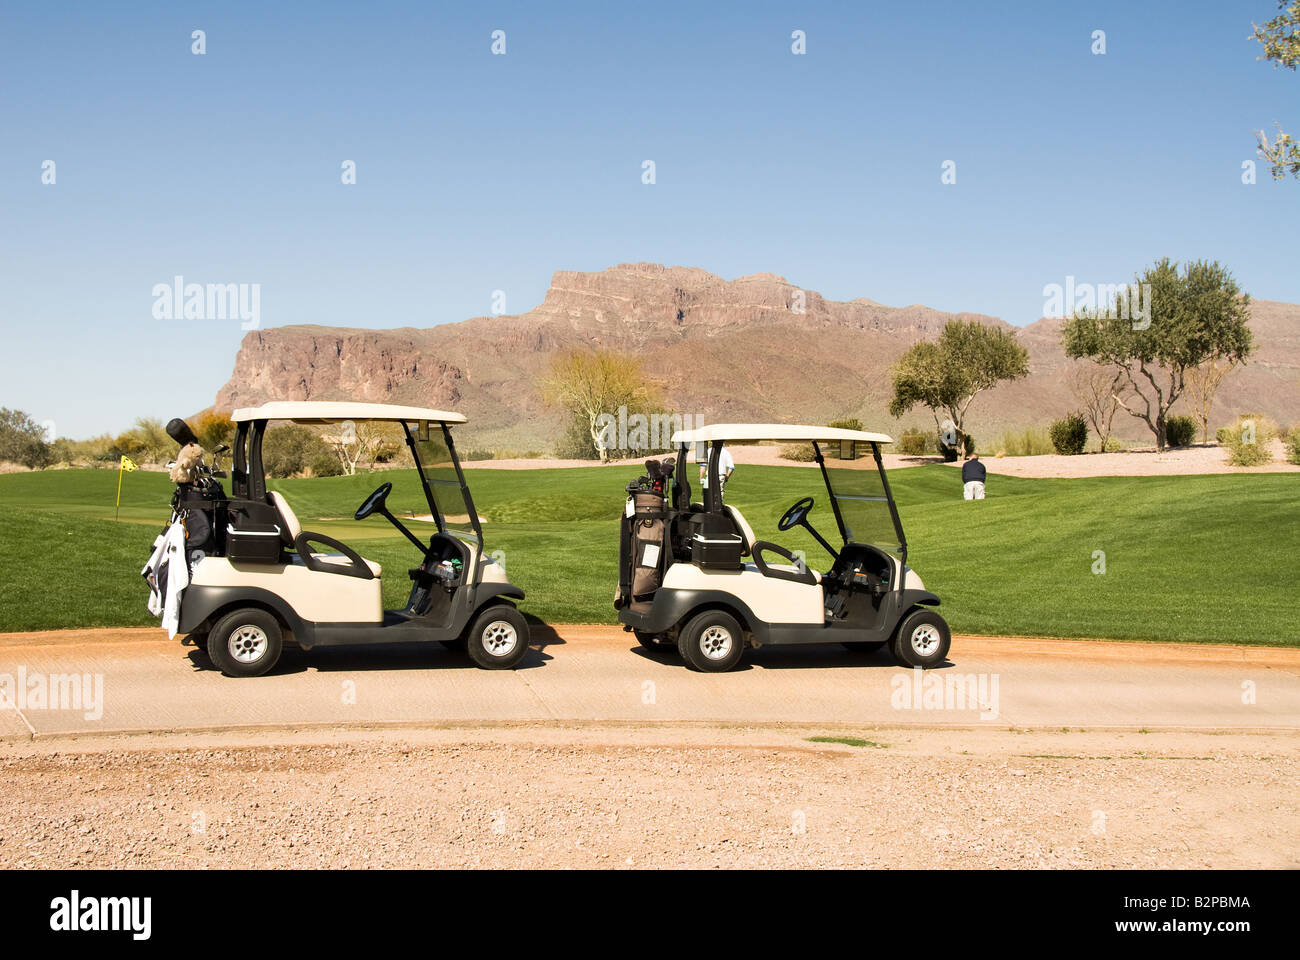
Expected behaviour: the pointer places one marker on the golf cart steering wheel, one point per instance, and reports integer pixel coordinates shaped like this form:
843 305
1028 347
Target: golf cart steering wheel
374 502
795 515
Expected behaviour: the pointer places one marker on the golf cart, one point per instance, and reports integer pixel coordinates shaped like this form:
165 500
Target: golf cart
684 578
256 579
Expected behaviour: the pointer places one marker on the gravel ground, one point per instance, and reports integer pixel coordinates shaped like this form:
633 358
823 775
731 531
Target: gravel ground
623 797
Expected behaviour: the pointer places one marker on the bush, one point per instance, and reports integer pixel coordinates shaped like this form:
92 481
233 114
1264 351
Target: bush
1030 442
1293 445
916 443
1069 436
798 452
1180 431
950 453
22 440
1221 436
294 449
1250 440
850 423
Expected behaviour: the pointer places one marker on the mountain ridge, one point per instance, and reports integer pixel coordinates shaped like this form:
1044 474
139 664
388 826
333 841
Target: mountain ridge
688 326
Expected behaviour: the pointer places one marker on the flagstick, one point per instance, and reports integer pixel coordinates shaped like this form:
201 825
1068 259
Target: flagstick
117 509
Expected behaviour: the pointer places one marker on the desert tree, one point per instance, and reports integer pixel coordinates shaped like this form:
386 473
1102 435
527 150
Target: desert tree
23 440
1280 38
1203 382
946 375
1096 395
1193 315
589 383
367 442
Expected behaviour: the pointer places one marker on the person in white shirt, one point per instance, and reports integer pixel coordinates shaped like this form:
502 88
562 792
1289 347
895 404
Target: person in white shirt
726 467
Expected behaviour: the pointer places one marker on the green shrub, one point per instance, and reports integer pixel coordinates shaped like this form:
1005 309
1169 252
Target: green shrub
950 453
850 423
1030 442
1293 445
798 452
1070 435
1221 436
294 449
1250 440
1180 431
916 443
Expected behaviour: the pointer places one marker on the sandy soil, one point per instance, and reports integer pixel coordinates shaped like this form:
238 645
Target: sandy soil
619 797
1133 463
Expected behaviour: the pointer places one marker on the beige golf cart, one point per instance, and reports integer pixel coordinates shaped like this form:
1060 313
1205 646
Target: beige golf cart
692 574
262 580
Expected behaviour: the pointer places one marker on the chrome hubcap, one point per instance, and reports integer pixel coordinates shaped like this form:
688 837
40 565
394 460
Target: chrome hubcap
499 638
247 644
925 639
715 642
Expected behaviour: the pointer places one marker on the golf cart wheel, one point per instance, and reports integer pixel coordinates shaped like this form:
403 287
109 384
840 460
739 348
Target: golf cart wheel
712 642
922 640
246 643
863 646
498 638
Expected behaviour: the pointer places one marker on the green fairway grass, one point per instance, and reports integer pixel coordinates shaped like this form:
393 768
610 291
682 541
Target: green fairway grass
1203 558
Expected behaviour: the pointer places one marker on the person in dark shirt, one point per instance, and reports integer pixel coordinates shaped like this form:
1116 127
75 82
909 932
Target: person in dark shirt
972 478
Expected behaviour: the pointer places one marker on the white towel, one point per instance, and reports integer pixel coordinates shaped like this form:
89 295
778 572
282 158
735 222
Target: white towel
169 555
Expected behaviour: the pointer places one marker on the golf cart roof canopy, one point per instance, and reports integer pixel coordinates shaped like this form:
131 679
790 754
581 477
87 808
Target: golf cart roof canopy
774 431
338 411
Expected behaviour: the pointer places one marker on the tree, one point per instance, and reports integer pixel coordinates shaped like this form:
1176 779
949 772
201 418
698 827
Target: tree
212 429
146 442
1095 390
1193 315
589 383
22 440
947 375
1202 384
1281 40
366 442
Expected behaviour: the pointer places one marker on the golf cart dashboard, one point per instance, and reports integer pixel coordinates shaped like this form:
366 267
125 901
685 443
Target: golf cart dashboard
860 567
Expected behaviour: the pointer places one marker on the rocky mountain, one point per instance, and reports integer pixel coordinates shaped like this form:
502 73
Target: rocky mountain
754 348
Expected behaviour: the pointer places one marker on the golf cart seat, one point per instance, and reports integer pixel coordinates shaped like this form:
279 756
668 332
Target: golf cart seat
293 529
743 528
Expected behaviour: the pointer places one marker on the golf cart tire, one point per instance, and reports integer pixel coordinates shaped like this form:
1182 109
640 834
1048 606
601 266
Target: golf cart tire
491 630
246 628
922 640
863 646
709 630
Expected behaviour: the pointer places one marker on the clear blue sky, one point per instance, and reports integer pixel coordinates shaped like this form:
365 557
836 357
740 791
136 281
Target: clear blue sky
478 172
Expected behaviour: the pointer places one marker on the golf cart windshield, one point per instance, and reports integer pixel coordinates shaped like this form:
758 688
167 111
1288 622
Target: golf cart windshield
860 497
443 480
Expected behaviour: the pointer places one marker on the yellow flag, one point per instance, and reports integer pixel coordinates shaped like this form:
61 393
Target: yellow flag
127 463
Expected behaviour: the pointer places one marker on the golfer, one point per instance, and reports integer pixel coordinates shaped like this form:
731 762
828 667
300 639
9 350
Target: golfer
726 467
972 478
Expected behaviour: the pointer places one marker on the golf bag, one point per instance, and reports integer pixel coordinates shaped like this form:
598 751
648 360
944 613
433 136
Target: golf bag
201 509
643 545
